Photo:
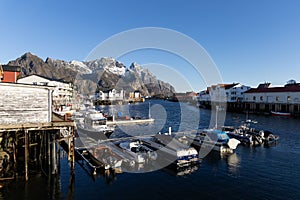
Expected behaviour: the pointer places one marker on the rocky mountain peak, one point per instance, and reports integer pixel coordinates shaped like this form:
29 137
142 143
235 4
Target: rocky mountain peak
28 55
135 67
97 74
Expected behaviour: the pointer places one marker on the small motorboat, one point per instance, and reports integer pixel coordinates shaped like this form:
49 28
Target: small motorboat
88 161
104 154
170 149
216 140
250 136
141 152
269 138
284 114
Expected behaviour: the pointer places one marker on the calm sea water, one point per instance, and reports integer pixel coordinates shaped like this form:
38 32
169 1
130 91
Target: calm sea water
250 173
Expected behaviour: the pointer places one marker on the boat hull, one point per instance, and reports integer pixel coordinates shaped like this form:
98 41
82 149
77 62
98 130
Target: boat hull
280 114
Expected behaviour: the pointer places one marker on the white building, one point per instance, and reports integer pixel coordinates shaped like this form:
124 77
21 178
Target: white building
62 93
236 93
279 99
111 95
230 93
204 96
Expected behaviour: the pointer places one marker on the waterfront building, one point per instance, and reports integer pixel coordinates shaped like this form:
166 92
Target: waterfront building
233 94
110 95
187 96
62 94
265 98
9 74
136 96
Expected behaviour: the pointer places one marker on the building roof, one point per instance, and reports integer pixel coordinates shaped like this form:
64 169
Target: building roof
264 85
287 88
44 77
9 68
226 86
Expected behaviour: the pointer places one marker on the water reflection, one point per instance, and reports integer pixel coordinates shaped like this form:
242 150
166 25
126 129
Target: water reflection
218 161
183 171
234 162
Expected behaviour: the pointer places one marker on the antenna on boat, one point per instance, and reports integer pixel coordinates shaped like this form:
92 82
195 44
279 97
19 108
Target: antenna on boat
113 113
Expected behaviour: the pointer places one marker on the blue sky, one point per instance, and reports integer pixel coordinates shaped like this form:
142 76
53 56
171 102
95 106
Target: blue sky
249 41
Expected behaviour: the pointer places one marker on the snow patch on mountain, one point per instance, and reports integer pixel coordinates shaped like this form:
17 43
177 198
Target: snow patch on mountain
81 67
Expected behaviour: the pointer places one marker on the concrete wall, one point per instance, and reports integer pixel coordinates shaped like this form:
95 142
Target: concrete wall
25 104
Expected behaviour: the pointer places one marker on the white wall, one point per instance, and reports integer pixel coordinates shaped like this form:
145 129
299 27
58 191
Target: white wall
25 104
273 97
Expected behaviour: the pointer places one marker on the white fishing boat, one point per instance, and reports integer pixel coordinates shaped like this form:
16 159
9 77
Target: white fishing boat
94 125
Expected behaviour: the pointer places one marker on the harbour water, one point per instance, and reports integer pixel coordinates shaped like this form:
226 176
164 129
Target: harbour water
250 173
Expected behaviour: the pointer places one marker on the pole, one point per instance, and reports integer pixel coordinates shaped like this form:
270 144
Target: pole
217 110
149 114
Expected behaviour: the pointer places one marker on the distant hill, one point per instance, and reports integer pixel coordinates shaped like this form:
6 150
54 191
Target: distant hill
100 74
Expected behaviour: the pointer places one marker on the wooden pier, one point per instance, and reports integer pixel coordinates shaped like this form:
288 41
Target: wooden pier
35 144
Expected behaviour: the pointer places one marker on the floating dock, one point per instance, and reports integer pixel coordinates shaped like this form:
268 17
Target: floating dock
130 121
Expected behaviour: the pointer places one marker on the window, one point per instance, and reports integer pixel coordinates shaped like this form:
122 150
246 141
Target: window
288 98
261 98
34 83
254 98
277 98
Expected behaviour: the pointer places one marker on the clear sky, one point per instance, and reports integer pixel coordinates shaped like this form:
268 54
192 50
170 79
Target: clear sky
250 41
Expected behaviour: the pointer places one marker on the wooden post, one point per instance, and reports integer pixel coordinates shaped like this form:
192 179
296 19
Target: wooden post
58 153
48 135
26 155
15 152
48 147
54 166
72 150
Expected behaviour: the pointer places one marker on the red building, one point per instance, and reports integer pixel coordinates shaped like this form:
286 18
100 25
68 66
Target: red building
9 74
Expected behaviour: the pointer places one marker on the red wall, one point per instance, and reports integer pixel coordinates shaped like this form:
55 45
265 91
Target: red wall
10 77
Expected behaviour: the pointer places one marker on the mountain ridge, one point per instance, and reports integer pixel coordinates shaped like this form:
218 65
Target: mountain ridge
100 74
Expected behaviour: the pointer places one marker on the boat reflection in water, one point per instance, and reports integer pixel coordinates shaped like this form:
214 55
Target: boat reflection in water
181 171
218 161
233 162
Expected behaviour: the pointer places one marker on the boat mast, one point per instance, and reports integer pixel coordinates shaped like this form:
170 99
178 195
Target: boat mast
217 110
149 114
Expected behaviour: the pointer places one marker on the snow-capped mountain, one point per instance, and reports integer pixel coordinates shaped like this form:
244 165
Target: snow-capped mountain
108 64
101 74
